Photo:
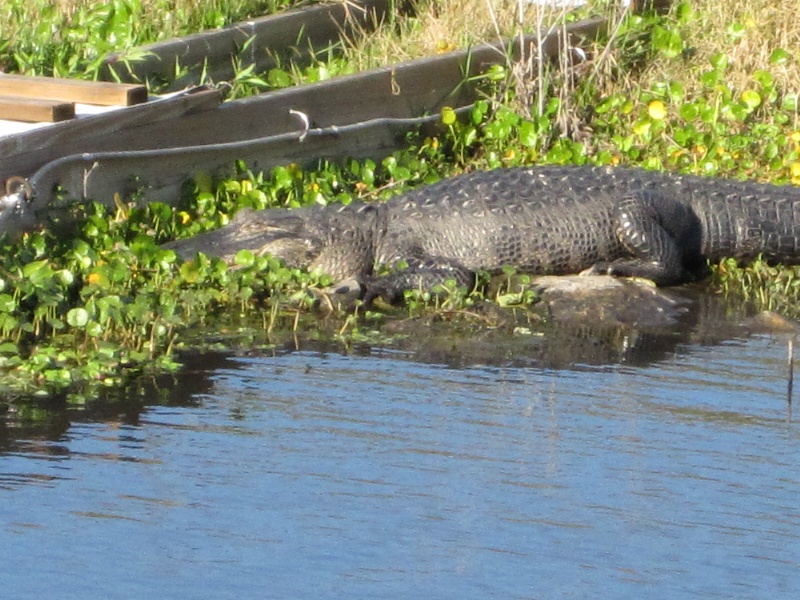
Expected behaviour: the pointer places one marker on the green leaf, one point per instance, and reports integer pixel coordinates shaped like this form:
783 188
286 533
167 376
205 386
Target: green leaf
279 78
78 317
8 323
667 41
751 99
779 56
607 104
736 31
764 78
719 61
710 78
8 348
688 112
479 111
676 91
36 270
94 329
496 73
684 11
65 276
244 258
7 303
527 134
282 177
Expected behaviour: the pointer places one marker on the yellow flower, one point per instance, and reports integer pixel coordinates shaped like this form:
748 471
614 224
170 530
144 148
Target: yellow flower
443 46
93 278
795 136
184 217
794 169
448 115
657 110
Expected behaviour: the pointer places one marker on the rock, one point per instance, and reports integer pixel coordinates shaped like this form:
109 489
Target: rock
606 300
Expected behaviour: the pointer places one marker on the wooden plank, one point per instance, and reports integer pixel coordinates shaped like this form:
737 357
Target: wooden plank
22 154
72 90
409 89
260 41
179 143
35 110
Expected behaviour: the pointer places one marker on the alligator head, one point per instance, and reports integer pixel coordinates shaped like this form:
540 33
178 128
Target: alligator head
336 240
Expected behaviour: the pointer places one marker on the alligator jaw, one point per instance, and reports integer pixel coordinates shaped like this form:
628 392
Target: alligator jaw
277 234
336 240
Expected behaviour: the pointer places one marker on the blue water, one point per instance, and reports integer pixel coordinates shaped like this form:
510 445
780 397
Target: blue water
312 475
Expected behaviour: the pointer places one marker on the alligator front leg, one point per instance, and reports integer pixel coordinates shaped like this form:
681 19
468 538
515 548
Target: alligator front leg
662 235
425 275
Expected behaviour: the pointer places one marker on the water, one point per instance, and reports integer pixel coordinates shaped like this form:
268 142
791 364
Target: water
323 475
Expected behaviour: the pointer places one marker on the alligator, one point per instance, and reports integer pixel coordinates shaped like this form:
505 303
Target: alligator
539 220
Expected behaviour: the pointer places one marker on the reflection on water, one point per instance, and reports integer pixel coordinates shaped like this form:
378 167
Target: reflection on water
321 475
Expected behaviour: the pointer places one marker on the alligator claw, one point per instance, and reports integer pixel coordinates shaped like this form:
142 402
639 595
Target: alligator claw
596 269
343 296
376 291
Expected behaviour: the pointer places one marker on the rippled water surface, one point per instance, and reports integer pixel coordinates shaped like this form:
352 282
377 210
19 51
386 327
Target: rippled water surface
313 475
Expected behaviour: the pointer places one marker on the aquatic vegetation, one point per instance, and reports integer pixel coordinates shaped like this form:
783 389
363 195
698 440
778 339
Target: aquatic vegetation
93 306
767 287
108 301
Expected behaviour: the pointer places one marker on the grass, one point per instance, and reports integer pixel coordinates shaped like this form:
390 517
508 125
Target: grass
437 27
69 38
754 35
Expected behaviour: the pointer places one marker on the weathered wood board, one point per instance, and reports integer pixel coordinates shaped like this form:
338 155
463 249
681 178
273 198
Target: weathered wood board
72 90
23 154
153 148
261 42
405 90
35 109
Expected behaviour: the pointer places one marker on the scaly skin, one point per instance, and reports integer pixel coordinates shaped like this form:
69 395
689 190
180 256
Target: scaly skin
539 220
